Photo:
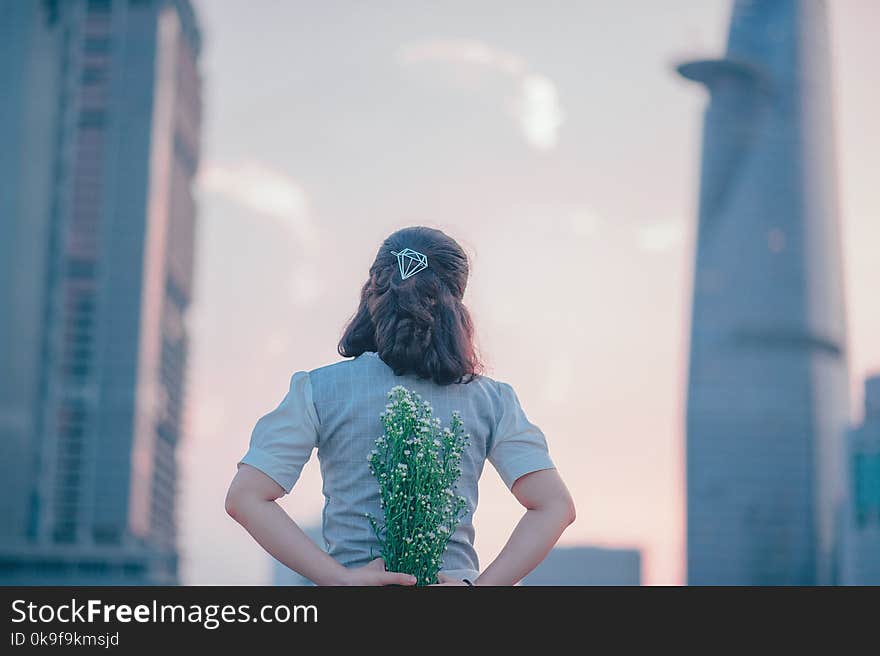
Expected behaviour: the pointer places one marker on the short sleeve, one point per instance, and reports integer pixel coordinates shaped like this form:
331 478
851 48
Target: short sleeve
282 441
518 446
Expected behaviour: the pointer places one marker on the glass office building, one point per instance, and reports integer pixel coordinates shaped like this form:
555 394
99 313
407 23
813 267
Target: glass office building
100 133
582 565
767 402
861 522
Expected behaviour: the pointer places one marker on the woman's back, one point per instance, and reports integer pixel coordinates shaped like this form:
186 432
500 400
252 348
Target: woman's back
336 409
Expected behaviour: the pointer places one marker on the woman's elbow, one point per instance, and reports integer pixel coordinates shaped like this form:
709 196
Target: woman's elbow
570 513
237 501
232 504
563 508
248 490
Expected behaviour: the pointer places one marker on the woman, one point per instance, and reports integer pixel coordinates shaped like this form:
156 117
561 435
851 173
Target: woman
411 329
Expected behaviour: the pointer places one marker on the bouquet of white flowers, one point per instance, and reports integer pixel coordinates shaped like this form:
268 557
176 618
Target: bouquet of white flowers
417 465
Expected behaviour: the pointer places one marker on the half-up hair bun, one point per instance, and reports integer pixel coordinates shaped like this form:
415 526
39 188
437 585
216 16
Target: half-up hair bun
417 324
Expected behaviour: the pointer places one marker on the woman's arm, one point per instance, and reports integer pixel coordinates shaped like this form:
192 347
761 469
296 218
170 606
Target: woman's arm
251 501
549 510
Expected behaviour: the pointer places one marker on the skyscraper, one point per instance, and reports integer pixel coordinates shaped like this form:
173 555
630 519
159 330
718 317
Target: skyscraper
100 132
861 522
767 392
583 565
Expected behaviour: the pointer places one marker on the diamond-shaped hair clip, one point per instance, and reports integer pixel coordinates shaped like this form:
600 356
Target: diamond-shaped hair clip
410 262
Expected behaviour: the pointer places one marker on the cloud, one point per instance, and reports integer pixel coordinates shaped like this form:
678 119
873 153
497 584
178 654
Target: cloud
584 223
261 189
539 112
468 52
275 195
659 236
536 108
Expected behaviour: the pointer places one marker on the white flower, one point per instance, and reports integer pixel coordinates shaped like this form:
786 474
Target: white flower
410 426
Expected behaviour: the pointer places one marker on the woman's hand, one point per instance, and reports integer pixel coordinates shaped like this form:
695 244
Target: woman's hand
375 574
251 502
447 580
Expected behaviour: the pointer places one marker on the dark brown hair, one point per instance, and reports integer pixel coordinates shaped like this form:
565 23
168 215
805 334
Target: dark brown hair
419 325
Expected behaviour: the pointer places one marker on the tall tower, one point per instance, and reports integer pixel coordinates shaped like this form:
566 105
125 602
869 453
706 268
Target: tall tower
860 524
100 132
767 393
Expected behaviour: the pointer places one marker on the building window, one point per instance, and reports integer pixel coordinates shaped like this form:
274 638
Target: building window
97 45
100 6
133 569
94 74
92 118
106 534
77 268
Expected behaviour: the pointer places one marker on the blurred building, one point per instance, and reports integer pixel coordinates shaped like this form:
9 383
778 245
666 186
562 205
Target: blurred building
860 553
283 575
767 396
100 132
588 566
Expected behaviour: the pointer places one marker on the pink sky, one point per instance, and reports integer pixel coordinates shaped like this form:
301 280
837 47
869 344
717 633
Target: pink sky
562 151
